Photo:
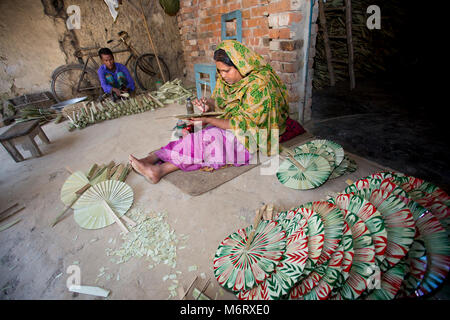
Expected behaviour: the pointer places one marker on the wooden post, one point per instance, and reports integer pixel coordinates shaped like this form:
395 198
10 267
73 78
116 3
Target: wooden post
151 41
323 24
348 25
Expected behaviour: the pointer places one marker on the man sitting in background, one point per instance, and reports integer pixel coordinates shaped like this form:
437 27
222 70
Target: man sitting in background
114 77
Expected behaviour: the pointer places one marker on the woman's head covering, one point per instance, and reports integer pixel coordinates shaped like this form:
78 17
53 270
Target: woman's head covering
243 58
258 101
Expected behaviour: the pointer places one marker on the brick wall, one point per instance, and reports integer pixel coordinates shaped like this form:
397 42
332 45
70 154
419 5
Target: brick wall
276 29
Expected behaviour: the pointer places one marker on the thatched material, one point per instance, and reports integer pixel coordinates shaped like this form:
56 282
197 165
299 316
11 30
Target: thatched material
371 47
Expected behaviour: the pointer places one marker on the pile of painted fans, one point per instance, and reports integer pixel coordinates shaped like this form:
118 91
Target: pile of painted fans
385 237
313 163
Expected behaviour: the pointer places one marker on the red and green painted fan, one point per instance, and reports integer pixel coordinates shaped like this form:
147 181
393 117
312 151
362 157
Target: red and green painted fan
315 233
322 290
371 217
288 270
333 220
240 264
363 264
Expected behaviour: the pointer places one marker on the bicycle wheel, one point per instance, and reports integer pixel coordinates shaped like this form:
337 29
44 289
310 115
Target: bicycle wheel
65 82
146 71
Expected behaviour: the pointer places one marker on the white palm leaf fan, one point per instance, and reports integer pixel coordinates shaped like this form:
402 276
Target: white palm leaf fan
74 183
103 204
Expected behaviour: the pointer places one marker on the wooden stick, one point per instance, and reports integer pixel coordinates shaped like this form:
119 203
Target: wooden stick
348 25
151 41
323 24
129 221
11 214
64 211
83 189
69 170
290 157
14 205
256 222
114 216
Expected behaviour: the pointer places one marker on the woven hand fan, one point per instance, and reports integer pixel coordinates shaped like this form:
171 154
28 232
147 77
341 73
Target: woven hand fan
75 182
102 204
328 144
238 267
324 151
347 166
310 172
363 263
290 267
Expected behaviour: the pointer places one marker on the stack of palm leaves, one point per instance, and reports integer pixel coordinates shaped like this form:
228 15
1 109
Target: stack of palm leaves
34 113
371 47
173 91
83 114
94 112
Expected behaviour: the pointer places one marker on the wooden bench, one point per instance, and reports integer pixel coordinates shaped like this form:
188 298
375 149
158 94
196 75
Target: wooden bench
23 133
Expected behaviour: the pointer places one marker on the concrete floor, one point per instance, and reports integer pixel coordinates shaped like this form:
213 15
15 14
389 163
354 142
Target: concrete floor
33 255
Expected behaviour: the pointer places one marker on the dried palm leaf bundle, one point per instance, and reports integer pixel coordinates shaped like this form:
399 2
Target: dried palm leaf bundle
172 92
83 114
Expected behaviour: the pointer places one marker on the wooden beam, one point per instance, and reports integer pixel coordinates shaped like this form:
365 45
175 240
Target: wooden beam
151 41
323 24
348 25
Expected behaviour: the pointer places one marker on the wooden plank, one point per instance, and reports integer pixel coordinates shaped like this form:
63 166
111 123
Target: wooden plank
323 24
14 153
348 25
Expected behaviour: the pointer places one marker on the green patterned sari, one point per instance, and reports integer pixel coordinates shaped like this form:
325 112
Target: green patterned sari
257 105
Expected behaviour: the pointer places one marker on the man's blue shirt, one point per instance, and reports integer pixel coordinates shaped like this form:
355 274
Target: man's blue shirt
119 68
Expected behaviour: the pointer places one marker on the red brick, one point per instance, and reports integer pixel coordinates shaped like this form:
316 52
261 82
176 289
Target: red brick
246 33
284 33
260 32
246 14
234 6
291 45
206 20
290 67
295 17
249 3
255 22
284 56
280 6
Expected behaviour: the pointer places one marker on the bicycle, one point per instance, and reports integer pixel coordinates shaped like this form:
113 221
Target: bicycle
79 79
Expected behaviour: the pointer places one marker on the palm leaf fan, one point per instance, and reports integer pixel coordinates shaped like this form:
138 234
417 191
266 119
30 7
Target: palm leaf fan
306 171
103 204
75 182
241 263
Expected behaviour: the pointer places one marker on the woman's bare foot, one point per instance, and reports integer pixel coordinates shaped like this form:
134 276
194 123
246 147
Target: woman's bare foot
149 171
150 159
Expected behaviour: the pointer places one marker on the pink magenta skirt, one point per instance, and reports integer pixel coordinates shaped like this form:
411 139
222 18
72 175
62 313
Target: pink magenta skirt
210 147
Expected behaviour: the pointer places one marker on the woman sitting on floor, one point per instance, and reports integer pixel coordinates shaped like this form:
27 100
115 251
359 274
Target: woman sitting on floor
253 99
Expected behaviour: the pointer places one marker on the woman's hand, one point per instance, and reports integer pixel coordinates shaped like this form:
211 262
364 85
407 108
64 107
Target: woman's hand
204 105
204 120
